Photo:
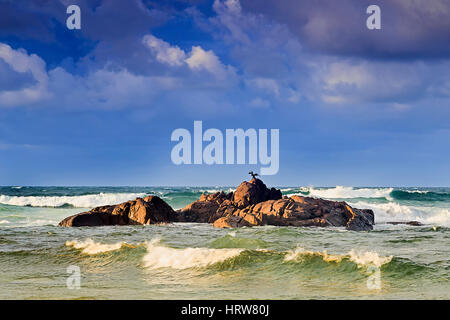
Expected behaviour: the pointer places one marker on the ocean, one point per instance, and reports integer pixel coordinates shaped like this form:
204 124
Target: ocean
197 261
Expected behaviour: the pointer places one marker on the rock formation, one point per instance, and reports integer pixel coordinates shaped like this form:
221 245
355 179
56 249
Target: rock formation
252 204
148 210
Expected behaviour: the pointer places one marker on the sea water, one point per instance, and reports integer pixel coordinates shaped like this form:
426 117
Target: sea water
197 261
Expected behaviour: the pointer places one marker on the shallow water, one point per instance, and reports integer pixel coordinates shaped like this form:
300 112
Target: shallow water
197 261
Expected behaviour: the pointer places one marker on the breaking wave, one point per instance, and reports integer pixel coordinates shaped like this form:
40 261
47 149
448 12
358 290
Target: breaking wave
159 256
366 258
84 201
392 211
341 192
91 247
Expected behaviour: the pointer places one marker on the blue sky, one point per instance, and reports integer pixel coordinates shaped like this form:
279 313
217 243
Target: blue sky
97 106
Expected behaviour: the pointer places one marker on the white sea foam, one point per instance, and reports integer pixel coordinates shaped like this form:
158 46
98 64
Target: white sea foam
340 192
392 211
159 256
365 258
368 258
84 201
91 247
300 252
416 191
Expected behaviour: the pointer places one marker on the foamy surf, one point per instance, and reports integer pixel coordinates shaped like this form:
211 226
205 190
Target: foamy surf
91 247
159 256
341 192
361 259
84 201
393 211
300 253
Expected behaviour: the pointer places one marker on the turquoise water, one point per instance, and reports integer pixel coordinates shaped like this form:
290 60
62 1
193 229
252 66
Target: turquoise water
197 261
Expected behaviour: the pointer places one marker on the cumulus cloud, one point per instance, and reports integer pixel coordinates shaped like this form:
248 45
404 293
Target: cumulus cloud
268 62
200 59
106 88
197 59
417 29
360 81
266 54
262 43
164 52
22 63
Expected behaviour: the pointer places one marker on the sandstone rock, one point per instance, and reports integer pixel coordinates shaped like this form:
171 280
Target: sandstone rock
204 210
230 222
253 192
99 216
301 212
148 210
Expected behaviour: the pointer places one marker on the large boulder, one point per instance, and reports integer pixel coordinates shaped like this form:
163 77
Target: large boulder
148 210
253 192
213 206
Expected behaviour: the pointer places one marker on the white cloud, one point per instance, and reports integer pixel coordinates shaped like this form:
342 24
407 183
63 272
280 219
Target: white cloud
164 52
197 60
21 62
356 81
200 59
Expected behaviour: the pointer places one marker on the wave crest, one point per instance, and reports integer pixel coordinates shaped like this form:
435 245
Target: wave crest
391 211
341 192
84 201
159 256
91 247
366 258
